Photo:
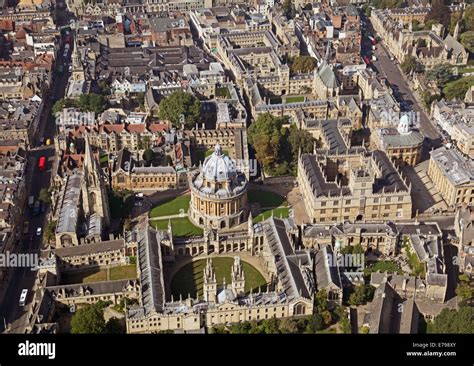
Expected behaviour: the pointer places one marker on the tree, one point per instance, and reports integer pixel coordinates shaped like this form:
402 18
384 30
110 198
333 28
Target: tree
148 155
114 326
327 318
266 135
302 64
50 231
88 320
468 18
429 98
182 109
92 102
61 104
415 25
289 9
429 24
457 89
440 73
362 295
464 291
321 301
288 325
452 321
439 12
409 64
467 40
300 139
315 324
44 195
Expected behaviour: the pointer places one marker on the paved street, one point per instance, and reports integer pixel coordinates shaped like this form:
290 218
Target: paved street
390 70
23 278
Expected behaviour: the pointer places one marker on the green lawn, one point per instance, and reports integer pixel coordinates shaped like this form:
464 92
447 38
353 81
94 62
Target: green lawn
171 207
466 70
295 99
123 272
104 158
382 266
223 92
275 100
210 151
85 276
266 198
189 279
269 202
277 212
181 226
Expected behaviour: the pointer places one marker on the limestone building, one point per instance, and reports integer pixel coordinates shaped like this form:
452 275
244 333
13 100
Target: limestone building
403 144
348 185
218 193
453 176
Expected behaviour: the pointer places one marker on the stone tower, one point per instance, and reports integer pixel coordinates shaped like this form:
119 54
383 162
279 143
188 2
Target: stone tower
210 283
94 191
77 68
456 32
238 277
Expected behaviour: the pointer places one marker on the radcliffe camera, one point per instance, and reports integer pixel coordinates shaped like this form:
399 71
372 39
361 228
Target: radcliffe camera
214 167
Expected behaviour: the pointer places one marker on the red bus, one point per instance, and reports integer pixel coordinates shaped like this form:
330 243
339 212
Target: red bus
42 163
367 60
372 40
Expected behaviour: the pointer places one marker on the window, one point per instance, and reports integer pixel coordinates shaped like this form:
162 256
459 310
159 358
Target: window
348 202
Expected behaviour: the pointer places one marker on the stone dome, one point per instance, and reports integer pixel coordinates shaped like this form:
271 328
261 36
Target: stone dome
218 167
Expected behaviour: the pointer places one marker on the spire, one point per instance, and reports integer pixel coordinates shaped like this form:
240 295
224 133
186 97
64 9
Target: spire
456 32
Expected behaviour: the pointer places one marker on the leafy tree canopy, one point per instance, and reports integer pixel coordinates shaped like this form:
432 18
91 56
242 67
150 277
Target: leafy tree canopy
452 321
180 108
88 320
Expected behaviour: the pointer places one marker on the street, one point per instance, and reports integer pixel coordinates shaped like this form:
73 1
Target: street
23 278
390 70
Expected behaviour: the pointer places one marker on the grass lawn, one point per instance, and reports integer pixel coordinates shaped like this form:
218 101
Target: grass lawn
266 198
86 276
182 227
222 92
275 100
171 207
295 99
189 279
104 159
382 266
466 70
277 212
123 272
210 151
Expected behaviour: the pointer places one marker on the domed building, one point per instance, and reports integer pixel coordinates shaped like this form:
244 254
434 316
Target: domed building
218 193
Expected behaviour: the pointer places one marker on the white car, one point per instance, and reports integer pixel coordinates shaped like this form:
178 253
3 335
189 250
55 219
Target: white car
38 231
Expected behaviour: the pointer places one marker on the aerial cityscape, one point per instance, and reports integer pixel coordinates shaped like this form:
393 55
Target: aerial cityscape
236 167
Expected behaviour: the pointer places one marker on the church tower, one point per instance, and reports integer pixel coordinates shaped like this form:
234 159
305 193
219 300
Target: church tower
238 277
77 67
94 191
210 283
456 32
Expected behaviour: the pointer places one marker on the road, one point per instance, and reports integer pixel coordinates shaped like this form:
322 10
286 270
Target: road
390 70
23 278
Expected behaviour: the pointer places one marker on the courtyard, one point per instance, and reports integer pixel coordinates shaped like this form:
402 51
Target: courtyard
189 279
266 203
99 274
